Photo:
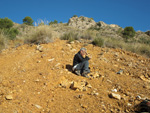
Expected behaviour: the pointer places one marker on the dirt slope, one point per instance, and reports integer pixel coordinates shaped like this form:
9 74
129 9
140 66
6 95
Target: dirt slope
36 80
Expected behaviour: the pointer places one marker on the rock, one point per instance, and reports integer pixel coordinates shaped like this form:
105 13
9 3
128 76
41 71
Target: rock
93 93
102 24
144 79
116 96
95 75
51 59
64 83
9 97
73 50
72 42
79 96
129 104
68 45
79 86
81 22
114 90
76 85
42 56
38 106
120 72
83 106
38 61
138 97
57 64
37 80
39 48
89 86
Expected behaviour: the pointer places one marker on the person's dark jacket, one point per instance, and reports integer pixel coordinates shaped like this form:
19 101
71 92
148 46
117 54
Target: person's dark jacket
78 58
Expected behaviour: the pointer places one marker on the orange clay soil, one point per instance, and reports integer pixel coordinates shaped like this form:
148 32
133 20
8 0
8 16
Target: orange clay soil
39 80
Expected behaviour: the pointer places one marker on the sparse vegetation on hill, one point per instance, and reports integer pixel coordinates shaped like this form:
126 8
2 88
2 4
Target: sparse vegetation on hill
79 28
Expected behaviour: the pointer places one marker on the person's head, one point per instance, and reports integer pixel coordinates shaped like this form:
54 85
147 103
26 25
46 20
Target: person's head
83 51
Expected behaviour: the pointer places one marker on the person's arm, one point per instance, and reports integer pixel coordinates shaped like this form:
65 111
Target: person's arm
81 58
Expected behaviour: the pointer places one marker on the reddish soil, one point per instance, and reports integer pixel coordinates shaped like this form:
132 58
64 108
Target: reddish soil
34 80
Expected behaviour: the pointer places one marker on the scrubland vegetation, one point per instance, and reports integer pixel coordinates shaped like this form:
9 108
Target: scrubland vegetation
13 35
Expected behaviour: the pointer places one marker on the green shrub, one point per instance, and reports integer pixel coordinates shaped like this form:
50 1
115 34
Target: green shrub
5 23
70 36
28 20
12 33
75 16
53 22
98 42
128 32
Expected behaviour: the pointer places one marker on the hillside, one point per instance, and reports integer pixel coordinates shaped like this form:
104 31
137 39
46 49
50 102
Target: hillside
38 79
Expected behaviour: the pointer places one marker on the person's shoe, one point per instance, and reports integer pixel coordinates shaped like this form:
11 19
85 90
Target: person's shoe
84 74
77 72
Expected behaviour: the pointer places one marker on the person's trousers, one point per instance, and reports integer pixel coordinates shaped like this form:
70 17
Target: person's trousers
83 66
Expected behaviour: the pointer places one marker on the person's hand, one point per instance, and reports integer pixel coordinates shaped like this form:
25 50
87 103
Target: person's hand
84 56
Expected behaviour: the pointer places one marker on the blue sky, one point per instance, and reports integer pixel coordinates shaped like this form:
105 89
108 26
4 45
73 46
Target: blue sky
135 13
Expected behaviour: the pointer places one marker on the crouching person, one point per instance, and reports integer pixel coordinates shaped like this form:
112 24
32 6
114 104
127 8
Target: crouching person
81 63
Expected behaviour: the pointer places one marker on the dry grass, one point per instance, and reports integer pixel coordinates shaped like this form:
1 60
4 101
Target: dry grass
88 34
139 48
3 41
45 34
39 35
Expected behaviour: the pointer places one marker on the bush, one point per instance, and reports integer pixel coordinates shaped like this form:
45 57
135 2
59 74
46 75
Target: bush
12 33
98 42
75 16
28 20
148 33
70 36
53 22
41 36
88 35
128 32
5 23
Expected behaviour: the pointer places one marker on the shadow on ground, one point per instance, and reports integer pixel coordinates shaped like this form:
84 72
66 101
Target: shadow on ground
69 67
143 107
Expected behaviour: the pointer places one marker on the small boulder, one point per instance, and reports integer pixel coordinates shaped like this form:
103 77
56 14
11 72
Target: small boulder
39 48
116 96
76 85
9 97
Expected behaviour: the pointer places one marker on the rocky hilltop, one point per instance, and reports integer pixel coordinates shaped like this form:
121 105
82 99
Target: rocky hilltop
85 23
38 79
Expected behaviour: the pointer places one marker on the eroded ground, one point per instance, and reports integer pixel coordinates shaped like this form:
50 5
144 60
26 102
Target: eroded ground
36 80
